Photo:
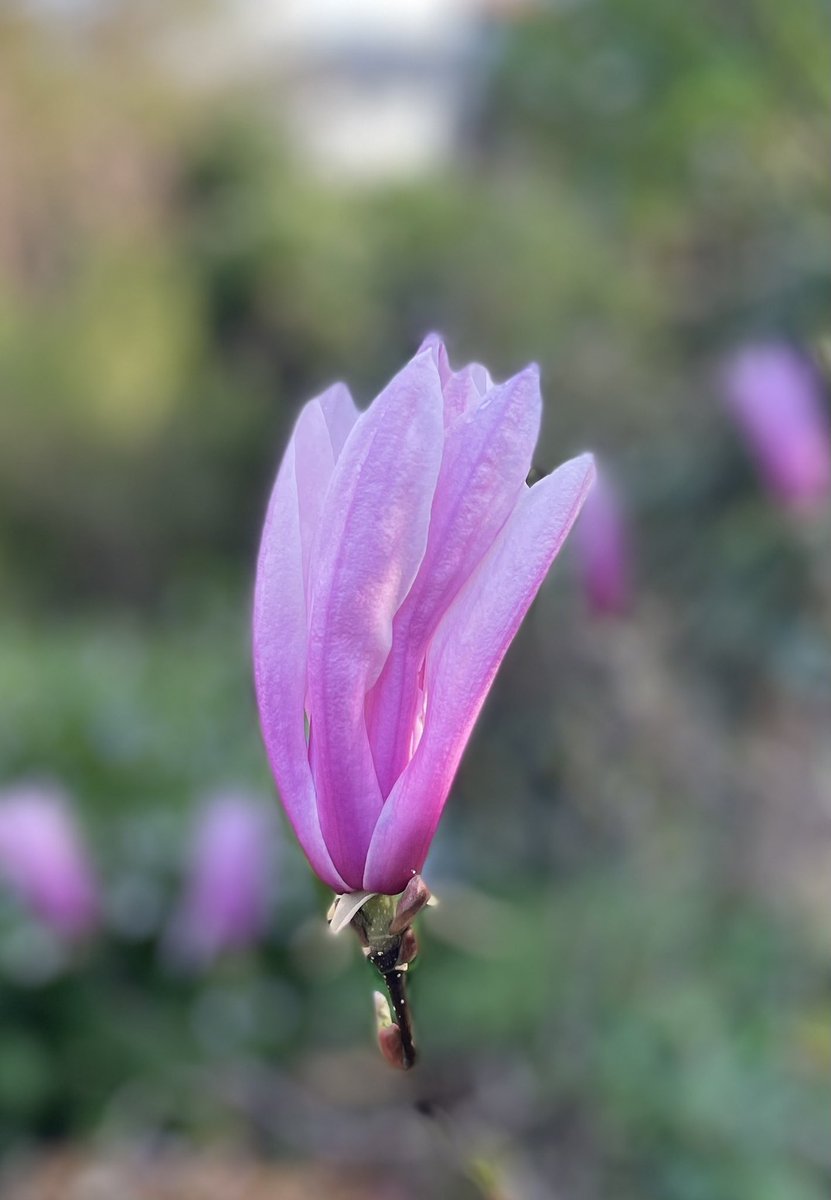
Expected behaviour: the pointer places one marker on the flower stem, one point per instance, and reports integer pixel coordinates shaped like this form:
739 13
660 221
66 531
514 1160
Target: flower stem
396 982
390 954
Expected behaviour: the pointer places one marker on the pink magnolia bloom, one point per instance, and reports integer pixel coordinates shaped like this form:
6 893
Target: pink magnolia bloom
229 879
774 395
44 860
604 550
401 550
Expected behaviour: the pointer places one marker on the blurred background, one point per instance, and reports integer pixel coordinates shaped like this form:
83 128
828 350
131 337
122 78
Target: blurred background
210 211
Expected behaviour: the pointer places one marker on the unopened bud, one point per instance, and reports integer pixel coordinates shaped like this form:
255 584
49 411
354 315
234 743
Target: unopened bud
391 1047
411 901
408 950
389 1035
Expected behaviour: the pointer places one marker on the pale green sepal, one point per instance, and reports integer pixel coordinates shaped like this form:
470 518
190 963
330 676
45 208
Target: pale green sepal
345 907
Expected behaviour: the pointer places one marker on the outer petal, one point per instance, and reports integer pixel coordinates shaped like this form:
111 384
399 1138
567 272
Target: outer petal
280 629
486 459
371 540
462 662
318 437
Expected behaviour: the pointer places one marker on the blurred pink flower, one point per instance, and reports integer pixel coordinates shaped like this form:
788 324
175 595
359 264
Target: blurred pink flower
775 397
43 858
604 549
230 876
401 550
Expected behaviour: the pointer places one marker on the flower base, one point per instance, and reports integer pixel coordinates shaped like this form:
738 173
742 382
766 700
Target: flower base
383 926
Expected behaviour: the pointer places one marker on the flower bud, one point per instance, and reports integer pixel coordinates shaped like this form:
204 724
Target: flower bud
410 903
401 550
389 1035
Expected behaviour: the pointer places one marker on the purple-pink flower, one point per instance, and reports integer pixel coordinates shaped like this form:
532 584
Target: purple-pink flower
229 881
775 397
401 550
604 549
44 861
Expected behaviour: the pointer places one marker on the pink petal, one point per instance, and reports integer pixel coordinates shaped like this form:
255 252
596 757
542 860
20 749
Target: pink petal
434 343
461 663
313 466
319 436
462 389
340 414
280 665
372 538
487 456
461 395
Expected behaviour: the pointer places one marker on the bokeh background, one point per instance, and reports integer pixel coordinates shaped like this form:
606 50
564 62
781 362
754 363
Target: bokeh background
208 212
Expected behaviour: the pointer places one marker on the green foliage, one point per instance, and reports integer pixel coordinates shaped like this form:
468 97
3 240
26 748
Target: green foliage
669 1022
157 344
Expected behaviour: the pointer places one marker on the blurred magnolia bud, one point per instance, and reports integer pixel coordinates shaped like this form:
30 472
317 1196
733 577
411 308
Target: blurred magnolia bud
604 549
775 397
229 881
44 861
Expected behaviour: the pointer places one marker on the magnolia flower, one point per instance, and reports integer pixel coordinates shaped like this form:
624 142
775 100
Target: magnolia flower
44 861
401 550
774 395
229 879
603 549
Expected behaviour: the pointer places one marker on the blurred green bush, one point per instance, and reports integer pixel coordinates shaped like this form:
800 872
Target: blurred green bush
644 186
